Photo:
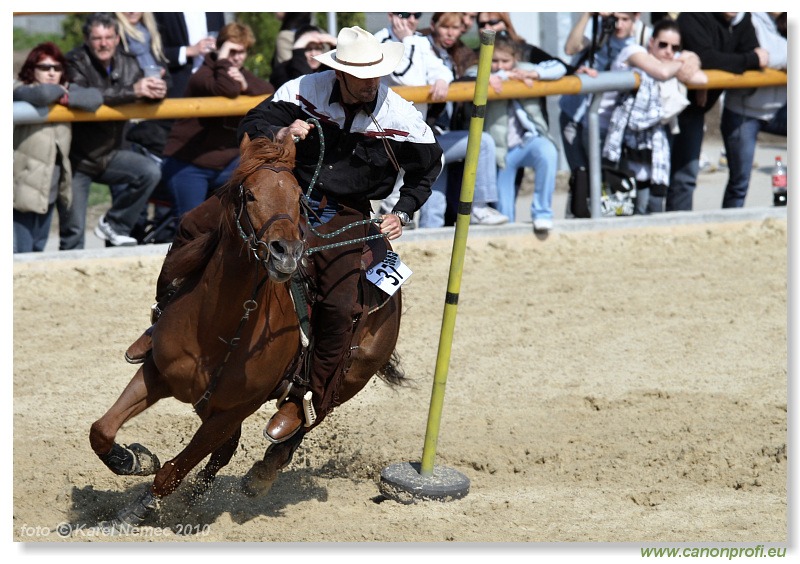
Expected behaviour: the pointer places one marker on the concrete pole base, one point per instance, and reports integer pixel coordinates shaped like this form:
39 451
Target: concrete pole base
403 483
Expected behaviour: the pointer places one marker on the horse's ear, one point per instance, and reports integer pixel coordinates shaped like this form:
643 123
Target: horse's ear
245 142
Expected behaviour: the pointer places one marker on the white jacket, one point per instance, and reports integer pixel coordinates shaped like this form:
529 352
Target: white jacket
420 66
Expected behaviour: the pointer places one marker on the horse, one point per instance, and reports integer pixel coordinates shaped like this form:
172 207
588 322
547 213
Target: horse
231 334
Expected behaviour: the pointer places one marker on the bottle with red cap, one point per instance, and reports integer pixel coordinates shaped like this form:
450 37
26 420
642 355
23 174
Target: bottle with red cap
779 182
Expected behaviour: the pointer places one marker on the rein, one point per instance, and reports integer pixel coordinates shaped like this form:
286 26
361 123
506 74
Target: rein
306 210
259 247
261 253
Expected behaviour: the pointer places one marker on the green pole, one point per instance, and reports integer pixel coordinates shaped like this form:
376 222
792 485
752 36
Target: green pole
459 249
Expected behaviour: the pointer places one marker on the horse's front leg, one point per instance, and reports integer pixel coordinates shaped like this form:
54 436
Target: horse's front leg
218 460
212 434
144 389
215 432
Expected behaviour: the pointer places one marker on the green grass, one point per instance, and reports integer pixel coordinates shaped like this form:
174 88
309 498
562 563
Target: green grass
99 194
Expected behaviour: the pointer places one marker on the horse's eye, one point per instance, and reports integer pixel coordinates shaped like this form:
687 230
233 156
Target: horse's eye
249 196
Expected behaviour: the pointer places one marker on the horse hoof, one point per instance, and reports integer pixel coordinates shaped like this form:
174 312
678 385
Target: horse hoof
259 479
132 516
133 460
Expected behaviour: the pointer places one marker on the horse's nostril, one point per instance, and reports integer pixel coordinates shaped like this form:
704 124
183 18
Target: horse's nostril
277 248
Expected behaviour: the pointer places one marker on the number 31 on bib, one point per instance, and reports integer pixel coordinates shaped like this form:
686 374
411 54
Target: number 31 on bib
390 274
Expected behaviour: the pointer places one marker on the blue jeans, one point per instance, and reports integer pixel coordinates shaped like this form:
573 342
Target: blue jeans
454 146
572 138
686 147
140 175
190 185
31 230
739 134
540 154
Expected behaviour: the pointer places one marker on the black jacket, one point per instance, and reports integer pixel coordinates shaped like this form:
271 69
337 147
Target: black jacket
719 45
94 142
356 166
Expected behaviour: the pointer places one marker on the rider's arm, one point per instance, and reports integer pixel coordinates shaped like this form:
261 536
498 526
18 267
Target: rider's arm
269 117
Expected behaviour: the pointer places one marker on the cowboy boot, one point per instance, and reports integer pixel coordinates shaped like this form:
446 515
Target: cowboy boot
141 347
286 421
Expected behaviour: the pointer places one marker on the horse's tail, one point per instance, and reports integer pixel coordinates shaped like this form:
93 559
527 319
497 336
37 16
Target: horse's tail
392 373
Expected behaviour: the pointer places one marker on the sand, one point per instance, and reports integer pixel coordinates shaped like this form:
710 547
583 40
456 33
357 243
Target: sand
614 387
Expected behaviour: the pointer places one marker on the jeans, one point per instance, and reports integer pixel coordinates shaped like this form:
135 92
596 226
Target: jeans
31 230
540 154
572 138
739 134
685 167
139 173
190 185
454 146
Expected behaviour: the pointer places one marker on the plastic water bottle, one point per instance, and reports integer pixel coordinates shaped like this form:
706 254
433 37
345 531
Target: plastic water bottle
779 183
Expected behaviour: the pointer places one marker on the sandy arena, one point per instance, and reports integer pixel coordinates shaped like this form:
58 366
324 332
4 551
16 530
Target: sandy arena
605 386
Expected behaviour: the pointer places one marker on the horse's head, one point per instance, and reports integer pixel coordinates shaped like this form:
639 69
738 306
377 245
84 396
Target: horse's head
266 199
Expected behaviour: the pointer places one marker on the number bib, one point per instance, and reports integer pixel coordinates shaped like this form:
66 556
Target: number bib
390 274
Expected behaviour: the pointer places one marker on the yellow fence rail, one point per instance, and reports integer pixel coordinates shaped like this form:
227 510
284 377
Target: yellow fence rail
215 106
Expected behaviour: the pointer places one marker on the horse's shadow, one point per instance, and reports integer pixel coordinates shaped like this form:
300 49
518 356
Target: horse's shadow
91 506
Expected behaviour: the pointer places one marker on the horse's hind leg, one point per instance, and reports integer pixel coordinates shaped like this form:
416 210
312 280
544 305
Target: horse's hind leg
218 460
144 389
262 475
375 350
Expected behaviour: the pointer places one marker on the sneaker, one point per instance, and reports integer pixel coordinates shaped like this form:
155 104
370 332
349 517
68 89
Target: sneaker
542 225
107 233
486 215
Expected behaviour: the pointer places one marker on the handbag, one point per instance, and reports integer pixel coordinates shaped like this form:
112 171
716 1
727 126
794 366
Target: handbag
617 192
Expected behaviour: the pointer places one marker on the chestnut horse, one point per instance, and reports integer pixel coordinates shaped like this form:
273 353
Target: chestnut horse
230 335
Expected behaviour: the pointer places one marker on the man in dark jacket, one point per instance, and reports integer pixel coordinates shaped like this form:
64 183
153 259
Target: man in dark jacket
723 41
96 154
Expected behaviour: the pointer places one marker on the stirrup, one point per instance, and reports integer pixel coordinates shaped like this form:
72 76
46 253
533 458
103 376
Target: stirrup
155 312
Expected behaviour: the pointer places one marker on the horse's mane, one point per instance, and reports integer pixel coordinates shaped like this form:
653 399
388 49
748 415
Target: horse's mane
191 258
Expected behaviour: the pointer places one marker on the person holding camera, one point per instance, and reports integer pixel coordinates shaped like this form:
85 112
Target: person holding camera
594 42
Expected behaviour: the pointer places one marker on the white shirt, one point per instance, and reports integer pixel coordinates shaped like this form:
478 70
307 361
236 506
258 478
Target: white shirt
198 29
420 66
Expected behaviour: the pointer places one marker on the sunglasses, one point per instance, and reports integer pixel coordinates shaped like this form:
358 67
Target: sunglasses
489 22
45 68
406 15
664 45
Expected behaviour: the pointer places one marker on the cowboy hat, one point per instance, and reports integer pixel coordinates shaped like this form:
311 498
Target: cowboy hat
358 53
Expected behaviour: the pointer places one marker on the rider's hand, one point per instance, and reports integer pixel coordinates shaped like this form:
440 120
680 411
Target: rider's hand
391 226
298 129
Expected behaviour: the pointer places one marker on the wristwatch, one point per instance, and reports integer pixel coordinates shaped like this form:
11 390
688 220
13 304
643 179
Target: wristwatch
404 219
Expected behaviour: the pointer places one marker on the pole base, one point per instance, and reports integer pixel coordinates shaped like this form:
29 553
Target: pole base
403 483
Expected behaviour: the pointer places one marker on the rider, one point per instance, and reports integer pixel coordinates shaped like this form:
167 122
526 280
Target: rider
369 133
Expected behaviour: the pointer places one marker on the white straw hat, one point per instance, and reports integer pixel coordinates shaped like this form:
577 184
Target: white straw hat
358 53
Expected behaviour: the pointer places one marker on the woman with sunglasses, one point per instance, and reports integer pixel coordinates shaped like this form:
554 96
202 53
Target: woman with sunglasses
42 172
636 122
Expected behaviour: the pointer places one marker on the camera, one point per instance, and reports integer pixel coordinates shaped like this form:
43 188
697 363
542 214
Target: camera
609 25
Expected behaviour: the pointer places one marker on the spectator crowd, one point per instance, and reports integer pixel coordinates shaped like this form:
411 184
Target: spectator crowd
158 170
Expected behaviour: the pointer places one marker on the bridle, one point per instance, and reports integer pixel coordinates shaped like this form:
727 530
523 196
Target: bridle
248 233
260 250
